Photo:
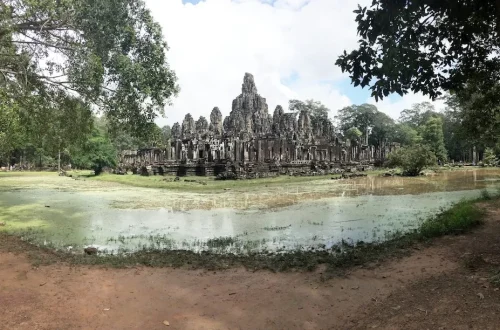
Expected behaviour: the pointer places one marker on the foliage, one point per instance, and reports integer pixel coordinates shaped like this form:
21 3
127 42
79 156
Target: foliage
383 128
478 109
353 134
108 53
460 217
366 118
424 45
458 142
96 153
489 158
418 114
318 113
432 46
360 116
11 129
432 136
412 159
405 135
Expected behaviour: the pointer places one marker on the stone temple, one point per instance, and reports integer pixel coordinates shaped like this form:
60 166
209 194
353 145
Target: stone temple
251 142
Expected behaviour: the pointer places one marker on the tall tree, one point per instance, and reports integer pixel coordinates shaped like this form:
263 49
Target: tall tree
418 114
371 122
431 46
432 136
109 53
12 133
95 153
405 135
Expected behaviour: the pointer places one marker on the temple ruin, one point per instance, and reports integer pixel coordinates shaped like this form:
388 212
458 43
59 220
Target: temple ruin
251 143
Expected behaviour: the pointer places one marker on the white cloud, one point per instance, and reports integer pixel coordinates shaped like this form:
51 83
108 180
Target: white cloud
213 43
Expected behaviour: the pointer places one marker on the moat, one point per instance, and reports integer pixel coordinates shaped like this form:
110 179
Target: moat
65 213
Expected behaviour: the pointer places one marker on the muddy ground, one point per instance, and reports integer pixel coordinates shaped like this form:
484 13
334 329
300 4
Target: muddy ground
450 284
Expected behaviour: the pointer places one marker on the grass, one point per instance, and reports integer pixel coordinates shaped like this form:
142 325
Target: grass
460 218
27 173
196 183
202 183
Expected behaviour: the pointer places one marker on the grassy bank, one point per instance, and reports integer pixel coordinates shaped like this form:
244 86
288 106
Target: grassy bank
460 218
201 183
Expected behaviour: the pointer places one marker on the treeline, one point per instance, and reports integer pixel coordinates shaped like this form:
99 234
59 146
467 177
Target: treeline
443 133
41 136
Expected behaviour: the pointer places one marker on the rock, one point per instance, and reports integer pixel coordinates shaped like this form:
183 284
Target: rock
304 125
201 126
188 127
176 131
278 113
480 295
166 323
90 250
249 116
216 127
2 224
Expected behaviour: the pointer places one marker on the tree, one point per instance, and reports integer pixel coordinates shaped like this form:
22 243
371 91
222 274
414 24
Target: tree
108 53
368 120
432 136
418 114
458 142
478 109
412 159
431 46
489 158
383 129
318 112
11 130
405 135
424 45
360 116
353 134
96 153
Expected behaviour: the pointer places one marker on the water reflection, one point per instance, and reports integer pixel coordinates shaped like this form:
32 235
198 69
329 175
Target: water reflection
319 213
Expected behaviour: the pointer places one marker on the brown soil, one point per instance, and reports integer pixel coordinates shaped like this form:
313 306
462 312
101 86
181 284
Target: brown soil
447 285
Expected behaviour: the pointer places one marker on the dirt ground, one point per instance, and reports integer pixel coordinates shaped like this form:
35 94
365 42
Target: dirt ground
447 285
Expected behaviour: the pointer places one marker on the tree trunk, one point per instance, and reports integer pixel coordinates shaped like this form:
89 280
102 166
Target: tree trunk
59 161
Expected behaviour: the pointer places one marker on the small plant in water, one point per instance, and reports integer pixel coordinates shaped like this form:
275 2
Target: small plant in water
277 228
221 242
485 194
315 223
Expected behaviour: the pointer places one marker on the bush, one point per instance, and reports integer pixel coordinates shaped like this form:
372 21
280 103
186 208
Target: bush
412 159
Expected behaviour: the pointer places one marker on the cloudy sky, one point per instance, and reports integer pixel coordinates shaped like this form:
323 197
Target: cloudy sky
290 46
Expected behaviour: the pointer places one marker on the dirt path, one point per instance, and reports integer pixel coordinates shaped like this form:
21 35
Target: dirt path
431 289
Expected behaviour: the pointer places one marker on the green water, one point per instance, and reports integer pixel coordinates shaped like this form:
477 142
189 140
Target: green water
71 214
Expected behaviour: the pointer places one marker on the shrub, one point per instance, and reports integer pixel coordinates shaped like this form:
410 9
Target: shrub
412 159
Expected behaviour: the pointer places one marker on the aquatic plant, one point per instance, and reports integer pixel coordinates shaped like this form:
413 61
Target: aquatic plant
277 228
457 219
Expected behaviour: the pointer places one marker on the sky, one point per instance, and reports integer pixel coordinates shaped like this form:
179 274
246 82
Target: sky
290 46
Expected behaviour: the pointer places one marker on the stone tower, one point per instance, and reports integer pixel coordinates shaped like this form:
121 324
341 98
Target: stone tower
249 116
216 122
